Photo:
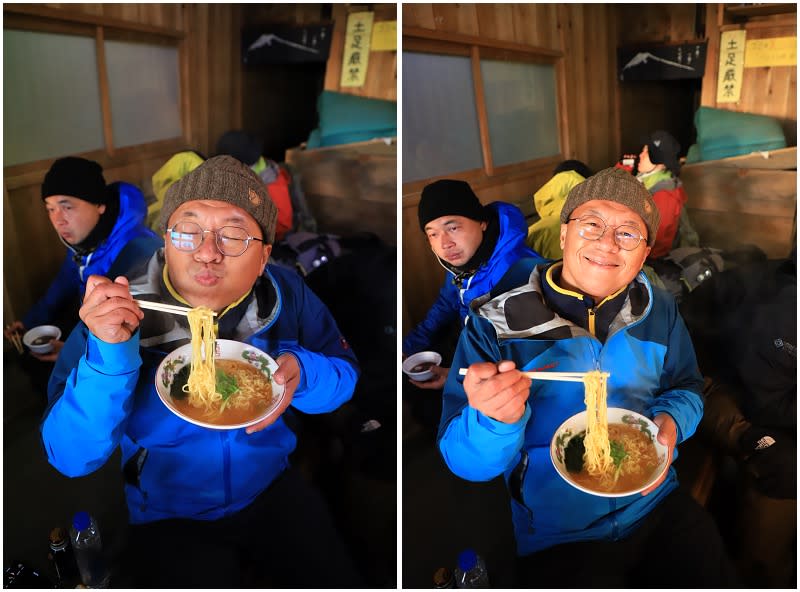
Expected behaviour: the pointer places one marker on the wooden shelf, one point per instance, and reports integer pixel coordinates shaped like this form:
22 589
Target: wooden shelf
740 13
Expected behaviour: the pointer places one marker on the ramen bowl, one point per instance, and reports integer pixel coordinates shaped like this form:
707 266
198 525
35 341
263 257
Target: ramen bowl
418 366
224 349
40 339
576 425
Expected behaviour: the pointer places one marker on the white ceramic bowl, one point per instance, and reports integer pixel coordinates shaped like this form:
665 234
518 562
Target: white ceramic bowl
38 339
423 357
577 424
225 349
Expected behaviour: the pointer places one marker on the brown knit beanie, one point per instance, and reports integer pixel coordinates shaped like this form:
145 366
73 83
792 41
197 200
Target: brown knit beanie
225 179
619 186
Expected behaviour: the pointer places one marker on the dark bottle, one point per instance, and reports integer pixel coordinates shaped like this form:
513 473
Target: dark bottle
63 559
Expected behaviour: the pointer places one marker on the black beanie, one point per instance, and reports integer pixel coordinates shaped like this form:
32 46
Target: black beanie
76 177
448 197
241 145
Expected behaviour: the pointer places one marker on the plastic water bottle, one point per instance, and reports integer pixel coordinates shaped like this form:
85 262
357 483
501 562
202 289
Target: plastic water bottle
471 570
88 549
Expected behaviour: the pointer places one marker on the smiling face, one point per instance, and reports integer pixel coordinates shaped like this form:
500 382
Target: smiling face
455 238
599 268
72 218
206 276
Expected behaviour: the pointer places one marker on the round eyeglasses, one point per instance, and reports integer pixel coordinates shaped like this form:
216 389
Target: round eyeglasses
231 241
593 228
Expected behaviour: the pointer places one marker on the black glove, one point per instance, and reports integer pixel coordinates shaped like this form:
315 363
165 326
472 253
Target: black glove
771 456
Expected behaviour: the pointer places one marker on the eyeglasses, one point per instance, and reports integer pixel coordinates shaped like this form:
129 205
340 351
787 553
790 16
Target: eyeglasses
232 241
593 228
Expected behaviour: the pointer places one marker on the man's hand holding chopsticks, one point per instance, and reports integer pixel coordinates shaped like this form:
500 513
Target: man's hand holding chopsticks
108 309
499 391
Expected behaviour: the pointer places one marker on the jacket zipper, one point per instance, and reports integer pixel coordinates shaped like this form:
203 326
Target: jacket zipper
592 316
226 467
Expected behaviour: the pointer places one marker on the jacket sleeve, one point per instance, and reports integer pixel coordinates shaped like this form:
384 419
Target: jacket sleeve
65 286
329 371
443 312
681 383
474 446
90 395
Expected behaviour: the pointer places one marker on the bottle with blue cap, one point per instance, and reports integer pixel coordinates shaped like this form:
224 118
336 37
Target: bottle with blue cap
471 570
88 549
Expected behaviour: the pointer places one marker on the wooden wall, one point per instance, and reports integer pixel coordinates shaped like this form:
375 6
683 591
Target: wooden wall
586 34
766 90
381 79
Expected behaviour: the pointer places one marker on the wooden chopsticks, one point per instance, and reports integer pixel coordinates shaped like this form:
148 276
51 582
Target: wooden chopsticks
170 308
563 376
16 340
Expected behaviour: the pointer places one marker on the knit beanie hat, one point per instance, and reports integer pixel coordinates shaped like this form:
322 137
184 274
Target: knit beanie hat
617 185
448 197
225 179
663 148
76 177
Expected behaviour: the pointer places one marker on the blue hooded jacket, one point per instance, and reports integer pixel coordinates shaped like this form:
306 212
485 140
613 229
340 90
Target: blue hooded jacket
453 302
70 281
103 395
652 366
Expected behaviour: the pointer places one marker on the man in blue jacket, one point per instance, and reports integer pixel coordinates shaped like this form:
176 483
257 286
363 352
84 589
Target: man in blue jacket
200 501
592 310
100 225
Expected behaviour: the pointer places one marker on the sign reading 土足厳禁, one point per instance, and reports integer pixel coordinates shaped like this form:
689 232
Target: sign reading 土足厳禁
662 62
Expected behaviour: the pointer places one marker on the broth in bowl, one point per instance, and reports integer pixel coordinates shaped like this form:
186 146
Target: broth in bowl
244 393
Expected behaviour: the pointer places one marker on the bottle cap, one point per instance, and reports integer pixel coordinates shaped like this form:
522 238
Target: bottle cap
81 520
443 578
57 536
467 559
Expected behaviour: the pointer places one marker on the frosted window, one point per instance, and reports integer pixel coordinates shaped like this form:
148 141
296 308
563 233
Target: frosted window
521 107
440 125
144 87
51 97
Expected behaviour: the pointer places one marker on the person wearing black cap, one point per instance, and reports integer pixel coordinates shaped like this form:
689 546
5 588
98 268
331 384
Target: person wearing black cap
658 170
102 227
475 244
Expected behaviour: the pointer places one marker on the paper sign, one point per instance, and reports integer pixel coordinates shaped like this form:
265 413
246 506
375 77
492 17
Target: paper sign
778 51
731 66
356 49
384 36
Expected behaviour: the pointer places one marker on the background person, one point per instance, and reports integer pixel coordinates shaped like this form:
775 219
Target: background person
476 245
103 229
204 504
593 310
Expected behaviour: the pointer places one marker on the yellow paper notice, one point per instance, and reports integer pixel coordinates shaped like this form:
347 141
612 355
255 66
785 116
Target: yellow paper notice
731 66
384 36
356 49
778 51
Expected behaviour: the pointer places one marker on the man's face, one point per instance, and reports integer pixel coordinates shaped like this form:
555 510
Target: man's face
72 218
599 268
455 238
645 164
206 276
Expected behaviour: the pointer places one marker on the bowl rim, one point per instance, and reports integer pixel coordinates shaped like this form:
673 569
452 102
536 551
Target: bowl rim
46 329
436 357
279 391
661 449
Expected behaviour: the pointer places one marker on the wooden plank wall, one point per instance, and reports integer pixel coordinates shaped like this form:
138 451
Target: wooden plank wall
381 79
586 34
766 90
212 105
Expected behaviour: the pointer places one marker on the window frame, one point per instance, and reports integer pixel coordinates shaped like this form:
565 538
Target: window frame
42 19
419 40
